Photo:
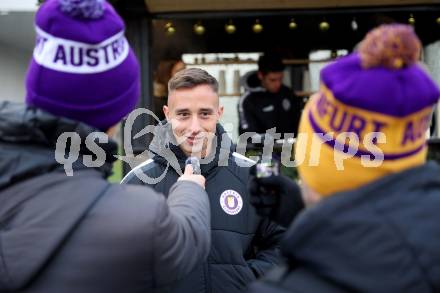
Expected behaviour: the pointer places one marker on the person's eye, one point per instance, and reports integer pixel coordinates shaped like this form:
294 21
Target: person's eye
183 115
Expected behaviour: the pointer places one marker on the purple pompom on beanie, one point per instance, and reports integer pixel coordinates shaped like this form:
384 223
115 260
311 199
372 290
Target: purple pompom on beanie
82 67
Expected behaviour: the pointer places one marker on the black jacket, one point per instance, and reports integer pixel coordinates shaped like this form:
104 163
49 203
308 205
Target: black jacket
383 237
260 110
244 246
80 233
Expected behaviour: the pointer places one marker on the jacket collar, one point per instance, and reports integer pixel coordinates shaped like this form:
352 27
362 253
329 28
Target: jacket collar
166 151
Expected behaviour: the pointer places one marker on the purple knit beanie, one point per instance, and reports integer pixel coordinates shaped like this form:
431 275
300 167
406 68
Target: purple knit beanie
82 66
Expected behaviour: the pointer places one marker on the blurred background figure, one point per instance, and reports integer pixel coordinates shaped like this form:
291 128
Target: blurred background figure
165 70
267 103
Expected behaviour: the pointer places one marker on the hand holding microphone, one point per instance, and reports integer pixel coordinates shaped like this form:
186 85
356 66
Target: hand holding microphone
195 163
192 172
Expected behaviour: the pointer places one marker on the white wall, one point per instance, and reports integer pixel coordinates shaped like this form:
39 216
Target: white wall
18 5
432 60
13 65
17 38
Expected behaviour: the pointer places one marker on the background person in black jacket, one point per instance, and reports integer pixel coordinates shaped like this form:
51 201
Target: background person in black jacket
244 246
267 103
79 233
375 226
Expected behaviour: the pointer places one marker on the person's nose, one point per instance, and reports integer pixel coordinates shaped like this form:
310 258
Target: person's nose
195 126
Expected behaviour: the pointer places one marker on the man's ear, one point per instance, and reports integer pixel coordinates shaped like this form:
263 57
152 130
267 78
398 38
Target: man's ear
260 75
220 111
166 111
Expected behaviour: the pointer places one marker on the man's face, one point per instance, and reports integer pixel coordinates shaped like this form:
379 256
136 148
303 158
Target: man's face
193 114
271 81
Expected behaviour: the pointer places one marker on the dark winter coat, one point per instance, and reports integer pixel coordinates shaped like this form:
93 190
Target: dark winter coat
79 233
244 246
383 237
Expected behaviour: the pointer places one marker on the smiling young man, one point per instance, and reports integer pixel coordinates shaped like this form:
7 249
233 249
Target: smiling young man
194 134
268 103
244 246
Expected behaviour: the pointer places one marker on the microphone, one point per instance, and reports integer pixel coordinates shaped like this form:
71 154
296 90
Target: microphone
195 163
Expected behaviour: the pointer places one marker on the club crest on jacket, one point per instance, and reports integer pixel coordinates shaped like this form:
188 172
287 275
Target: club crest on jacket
231 202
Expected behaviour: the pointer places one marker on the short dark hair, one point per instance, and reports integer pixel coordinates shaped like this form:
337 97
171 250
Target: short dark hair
190 78
270 63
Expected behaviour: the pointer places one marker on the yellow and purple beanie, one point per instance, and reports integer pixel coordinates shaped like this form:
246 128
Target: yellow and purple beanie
370 116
